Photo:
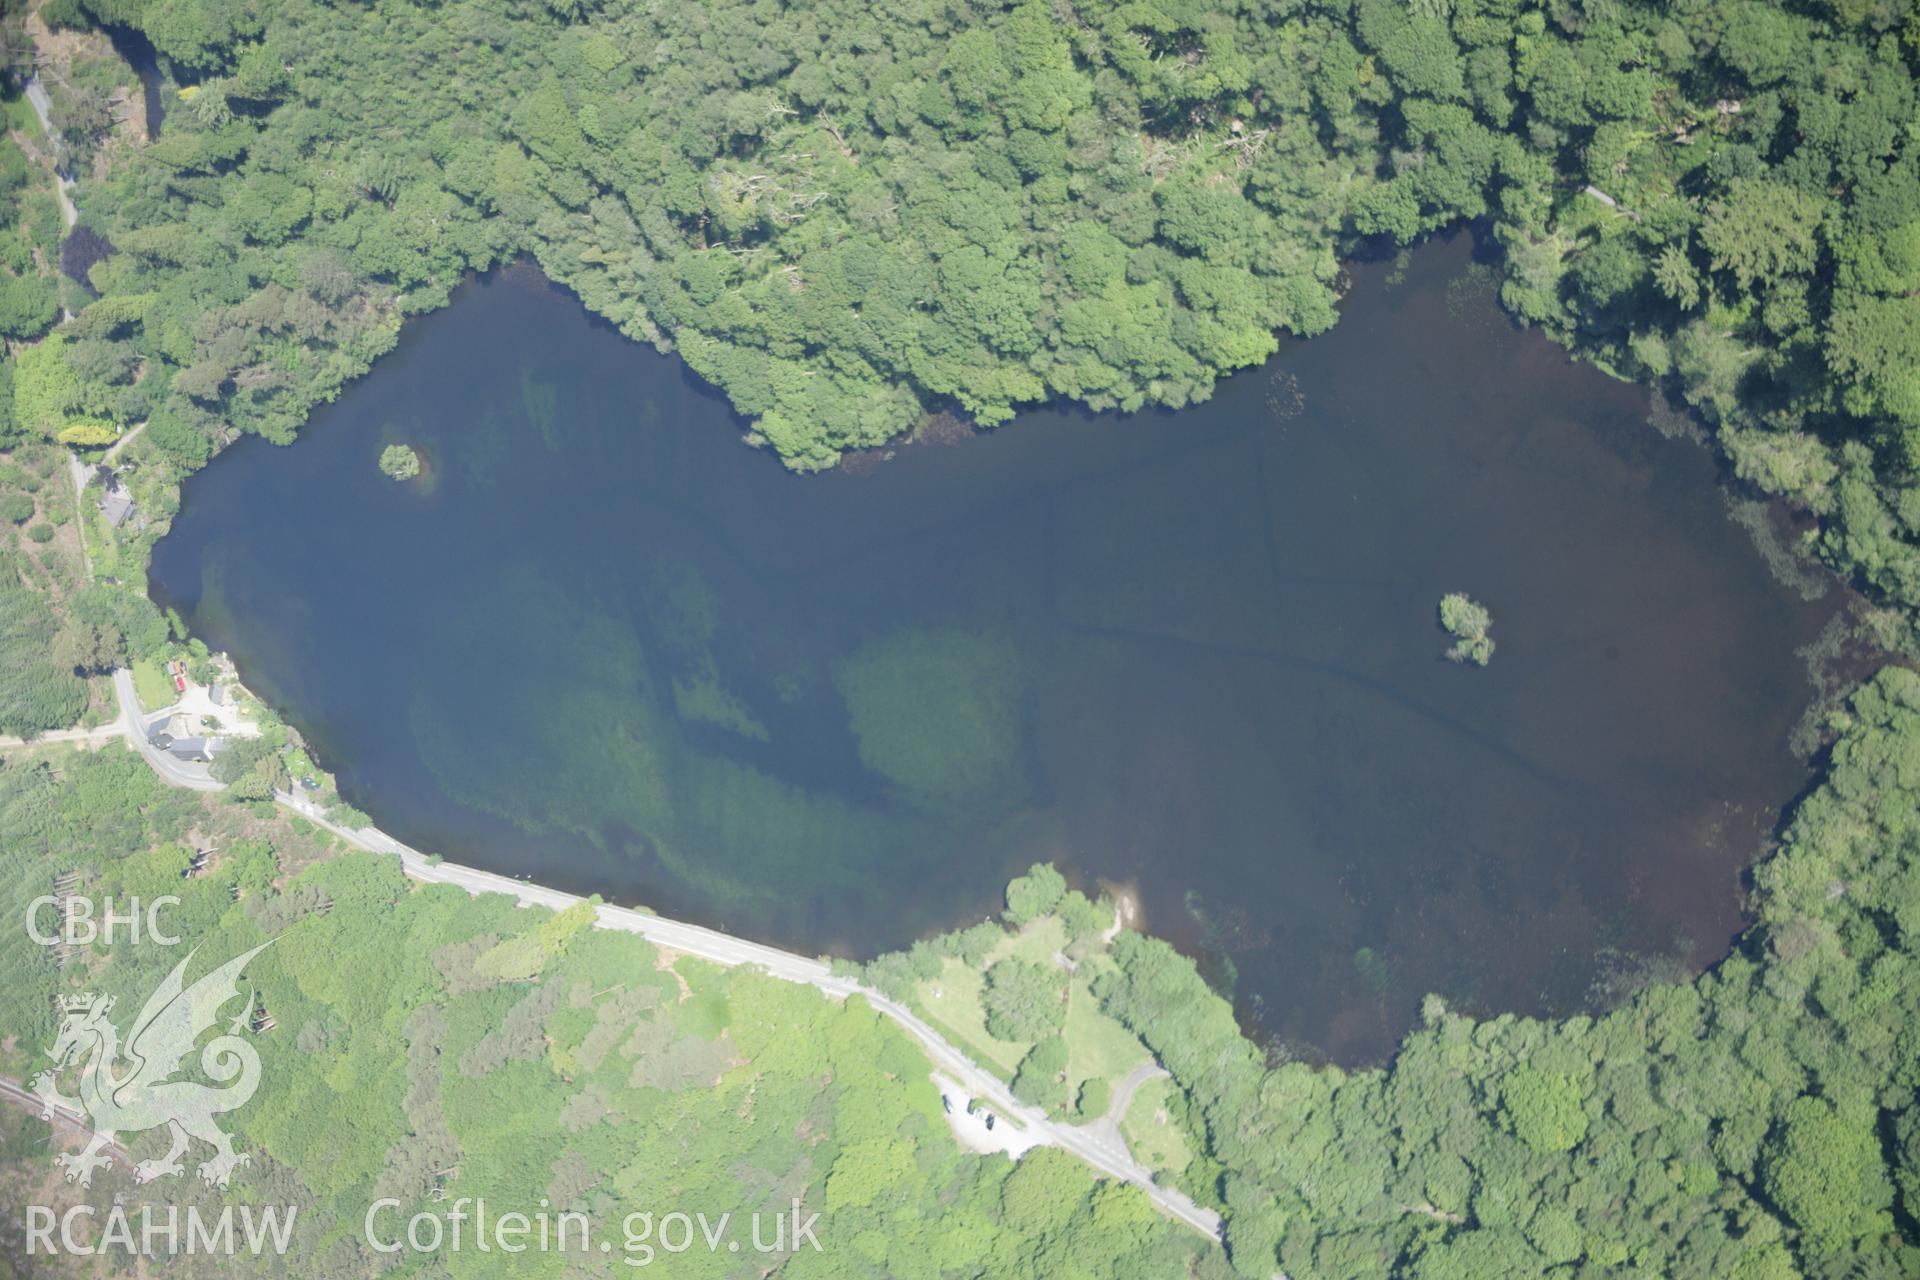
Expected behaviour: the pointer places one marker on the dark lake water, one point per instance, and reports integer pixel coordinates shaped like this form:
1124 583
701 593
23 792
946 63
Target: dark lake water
604 644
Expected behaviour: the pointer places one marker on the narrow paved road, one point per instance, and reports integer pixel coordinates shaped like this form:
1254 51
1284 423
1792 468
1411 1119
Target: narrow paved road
43 107
1106 1131
123 442
178 773
131 725
20 1096
1130 1085
1104 1150
1106 1154
100 733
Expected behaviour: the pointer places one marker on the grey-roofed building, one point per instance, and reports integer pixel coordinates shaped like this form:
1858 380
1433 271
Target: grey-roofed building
116 507
117 504
184 748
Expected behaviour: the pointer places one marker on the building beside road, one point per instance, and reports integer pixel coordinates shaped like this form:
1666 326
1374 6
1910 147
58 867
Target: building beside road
196 748
116 504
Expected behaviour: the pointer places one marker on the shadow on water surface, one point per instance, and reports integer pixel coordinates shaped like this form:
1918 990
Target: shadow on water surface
1194 652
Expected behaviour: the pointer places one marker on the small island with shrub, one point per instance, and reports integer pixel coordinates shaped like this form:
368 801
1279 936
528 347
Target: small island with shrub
400 461
1468 622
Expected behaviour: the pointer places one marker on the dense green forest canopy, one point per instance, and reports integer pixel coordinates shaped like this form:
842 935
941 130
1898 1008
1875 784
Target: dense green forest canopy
848 218
429 1044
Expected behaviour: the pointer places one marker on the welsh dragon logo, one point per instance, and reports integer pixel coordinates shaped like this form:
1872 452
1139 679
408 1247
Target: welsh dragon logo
130 1090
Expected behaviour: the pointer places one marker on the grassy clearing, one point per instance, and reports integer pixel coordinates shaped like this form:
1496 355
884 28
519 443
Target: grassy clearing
995 1067
1151 1134
1038 943
21 116
151 685
1097 1045
953 1001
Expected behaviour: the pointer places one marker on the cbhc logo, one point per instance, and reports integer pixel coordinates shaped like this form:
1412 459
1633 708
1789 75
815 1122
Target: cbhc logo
78 927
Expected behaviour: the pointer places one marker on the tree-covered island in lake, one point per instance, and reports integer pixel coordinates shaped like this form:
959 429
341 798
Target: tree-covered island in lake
1469 623
399 462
